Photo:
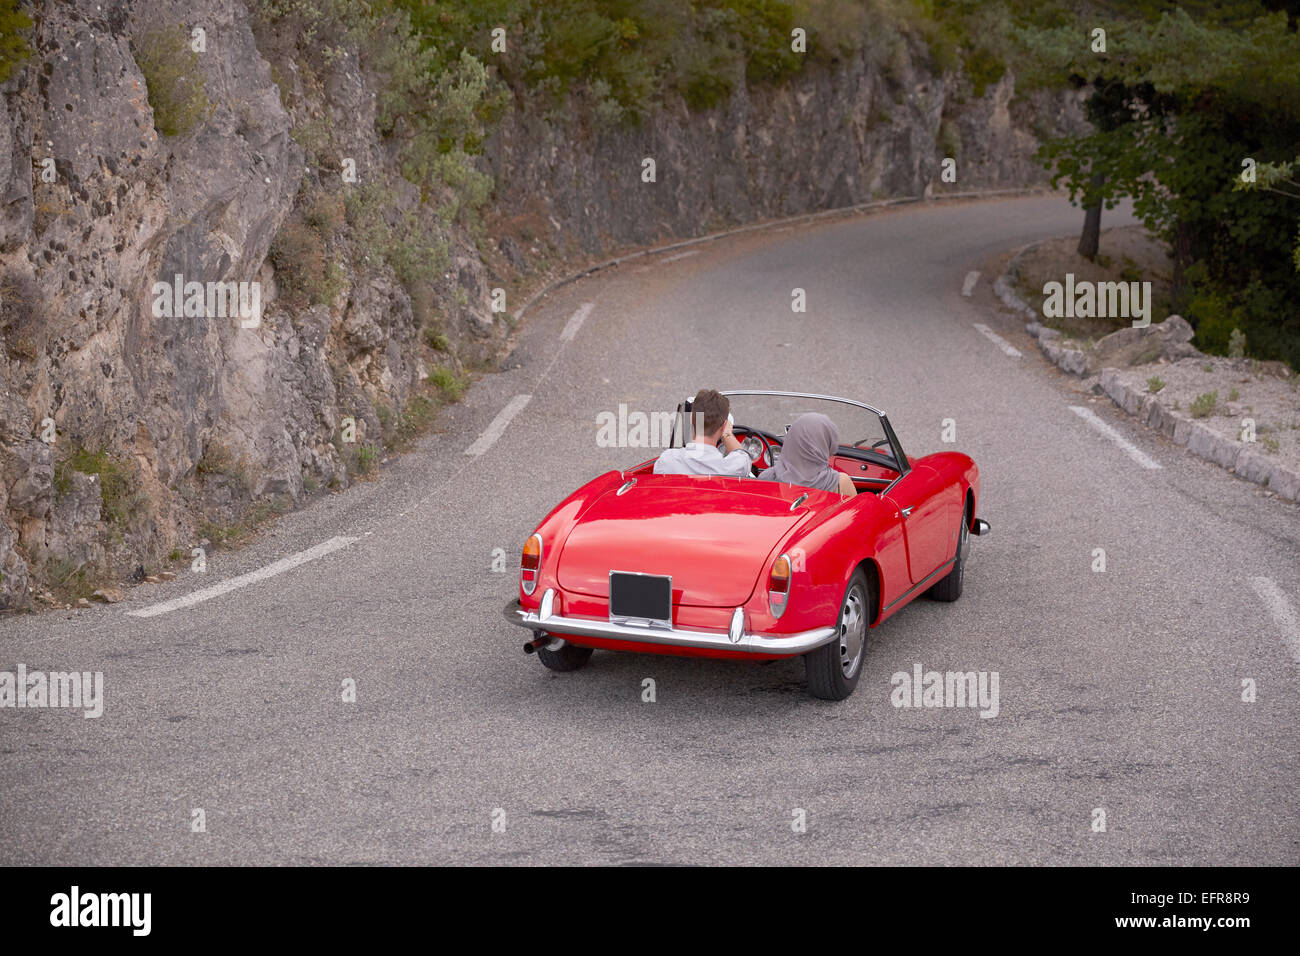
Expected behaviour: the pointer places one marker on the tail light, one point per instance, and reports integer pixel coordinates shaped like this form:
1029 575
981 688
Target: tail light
778 585
530 565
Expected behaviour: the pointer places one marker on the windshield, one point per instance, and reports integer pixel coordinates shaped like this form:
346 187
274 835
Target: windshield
773 413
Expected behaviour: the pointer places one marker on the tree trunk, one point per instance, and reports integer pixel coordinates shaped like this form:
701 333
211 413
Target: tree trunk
1092 220
1181 251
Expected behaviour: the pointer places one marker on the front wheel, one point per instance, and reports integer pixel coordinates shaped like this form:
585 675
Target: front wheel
570 657
949 589
833 669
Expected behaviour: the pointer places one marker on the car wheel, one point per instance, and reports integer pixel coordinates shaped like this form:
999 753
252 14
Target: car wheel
949 589
833 669
570 657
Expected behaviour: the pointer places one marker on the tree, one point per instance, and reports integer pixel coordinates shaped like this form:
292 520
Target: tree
1178 104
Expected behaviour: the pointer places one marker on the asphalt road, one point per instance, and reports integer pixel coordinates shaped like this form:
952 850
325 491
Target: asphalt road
1119 690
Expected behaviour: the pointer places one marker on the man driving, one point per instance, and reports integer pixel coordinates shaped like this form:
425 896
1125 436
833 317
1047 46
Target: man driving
709 425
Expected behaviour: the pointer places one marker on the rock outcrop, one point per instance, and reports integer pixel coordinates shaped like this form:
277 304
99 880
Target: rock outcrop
129 427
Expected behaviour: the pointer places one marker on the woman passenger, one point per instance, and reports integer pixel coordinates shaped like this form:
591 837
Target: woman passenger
806 454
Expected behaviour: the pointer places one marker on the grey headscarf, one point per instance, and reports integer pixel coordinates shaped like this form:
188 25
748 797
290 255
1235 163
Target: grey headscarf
805 454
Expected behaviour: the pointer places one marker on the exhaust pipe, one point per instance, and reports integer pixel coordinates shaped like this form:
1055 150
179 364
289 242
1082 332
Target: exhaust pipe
543 640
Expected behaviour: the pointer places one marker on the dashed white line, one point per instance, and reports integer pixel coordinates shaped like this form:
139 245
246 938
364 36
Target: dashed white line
498 425
683 255
575 322
997 340
1126 446
243 580
968 286
1282 611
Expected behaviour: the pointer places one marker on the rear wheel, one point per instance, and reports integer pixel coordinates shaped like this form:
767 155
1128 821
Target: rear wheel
570 657
833 669
949 589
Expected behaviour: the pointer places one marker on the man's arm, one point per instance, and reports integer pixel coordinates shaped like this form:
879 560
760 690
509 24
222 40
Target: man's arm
736 459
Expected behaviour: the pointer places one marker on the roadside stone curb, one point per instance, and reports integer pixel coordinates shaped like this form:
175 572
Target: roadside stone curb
1242 459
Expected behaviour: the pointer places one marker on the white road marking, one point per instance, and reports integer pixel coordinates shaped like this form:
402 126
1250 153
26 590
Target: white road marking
997 340
683 255
968 286
498 425
1282 612
575 322
1139 456
243 580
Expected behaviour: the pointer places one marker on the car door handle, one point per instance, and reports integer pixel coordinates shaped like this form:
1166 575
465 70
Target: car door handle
907 511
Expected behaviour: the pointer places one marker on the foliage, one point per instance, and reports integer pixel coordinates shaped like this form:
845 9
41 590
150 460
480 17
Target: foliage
173 80
14 47
1171 132
119 487
1203 405
448 383
303 268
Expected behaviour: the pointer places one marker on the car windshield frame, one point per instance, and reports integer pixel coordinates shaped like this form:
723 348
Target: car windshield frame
901 463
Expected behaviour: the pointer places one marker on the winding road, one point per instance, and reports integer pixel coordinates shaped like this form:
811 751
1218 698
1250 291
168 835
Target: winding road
1121 690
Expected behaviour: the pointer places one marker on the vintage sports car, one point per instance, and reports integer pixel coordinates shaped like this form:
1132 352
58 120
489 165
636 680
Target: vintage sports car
743 568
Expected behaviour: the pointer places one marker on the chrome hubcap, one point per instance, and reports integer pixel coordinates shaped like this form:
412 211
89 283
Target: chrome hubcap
853 630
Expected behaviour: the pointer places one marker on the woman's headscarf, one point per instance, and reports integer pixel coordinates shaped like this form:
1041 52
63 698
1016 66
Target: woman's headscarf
805 454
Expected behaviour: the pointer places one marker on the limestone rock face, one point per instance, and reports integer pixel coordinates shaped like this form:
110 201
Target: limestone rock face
831 137
190 416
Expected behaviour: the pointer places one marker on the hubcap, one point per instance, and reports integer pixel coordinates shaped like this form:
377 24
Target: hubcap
853 630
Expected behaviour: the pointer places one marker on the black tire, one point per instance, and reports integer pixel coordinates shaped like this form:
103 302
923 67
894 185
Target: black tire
570 657
833 669
949 589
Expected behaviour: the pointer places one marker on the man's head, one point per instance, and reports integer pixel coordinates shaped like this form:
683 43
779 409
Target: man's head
710 411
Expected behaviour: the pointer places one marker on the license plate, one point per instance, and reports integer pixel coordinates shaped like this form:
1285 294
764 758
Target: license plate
640 597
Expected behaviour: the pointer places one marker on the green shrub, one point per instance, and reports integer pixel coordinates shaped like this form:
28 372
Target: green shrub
302 267
173 80
367 458
435 340
448 383
1155 383
1237 344
14 48
119 487
984 68
1203 405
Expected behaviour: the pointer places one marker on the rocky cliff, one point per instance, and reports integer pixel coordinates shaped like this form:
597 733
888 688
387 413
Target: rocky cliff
140 417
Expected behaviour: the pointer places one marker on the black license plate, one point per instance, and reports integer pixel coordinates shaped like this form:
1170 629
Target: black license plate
641 597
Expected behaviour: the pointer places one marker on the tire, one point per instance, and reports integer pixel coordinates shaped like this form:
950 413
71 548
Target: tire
833 669
949 589
570 657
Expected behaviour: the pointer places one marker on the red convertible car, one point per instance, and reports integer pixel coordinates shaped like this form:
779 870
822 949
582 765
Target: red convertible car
724 567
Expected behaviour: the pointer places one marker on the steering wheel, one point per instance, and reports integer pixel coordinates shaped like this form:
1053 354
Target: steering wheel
768 440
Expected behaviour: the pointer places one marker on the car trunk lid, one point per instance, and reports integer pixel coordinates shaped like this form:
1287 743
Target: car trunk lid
712 535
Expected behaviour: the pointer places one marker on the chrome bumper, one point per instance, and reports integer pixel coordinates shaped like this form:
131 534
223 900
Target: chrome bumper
798 643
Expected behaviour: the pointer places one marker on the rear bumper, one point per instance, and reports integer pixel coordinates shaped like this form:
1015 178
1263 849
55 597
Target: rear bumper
780 644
